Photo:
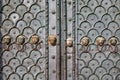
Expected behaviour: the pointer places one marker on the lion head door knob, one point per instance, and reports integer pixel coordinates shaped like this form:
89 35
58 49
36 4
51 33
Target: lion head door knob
20 40
69 42
113 41
6 40
100 41
52 39
85 41
34 39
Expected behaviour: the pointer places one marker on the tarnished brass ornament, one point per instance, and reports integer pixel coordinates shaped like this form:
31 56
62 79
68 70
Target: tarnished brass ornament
21 40
69 42
34 39
52 40
113 41
85 41
6 39
100 41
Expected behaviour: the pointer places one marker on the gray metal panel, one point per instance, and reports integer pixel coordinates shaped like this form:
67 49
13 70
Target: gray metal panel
91 18
97 18
27 18
66 19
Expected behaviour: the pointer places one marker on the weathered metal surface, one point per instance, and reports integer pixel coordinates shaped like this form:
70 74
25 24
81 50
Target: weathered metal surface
99 21
25 27
60 39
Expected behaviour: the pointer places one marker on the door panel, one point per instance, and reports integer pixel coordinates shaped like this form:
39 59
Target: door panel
60 39
25 28
94 27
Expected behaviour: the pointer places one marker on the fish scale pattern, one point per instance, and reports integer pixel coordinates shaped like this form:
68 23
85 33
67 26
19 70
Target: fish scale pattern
98 18
27 18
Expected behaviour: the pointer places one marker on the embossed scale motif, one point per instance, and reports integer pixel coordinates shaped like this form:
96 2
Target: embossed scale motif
99 20
23 52
60 39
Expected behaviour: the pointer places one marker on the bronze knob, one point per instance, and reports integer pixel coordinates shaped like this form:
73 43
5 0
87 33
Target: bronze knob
6 39
85 41
52 40
34 39
113 41
69 42
100 41
20 40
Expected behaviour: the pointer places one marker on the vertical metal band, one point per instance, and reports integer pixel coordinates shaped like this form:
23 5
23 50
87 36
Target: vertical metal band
63 39
58 49
52 31
70 32
74 38
46 45
71 56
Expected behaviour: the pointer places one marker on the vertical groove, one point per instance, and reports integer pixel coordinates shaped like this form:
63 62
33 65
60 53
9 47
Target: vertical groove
76 32
46 40
64 37
58 48
65 53
73 31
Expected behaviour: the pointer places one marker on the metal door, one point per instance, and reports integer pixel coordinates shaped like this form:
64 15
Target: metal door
26 26
60 40
92 34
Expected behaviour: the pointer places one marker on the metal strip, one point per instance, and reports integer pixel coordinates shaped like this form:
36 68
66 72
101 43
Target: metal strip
52 31
70 65
63 39
46 45
58 28
74 36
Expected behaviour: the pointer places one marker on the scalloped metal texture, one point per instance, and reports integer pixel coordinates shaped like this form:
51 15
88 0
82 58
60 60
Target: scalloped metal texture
94 18
79 19
27 61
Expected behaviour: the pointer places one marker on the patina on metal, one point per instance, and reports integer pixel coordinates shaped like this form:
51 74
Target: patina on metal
34 39
85 41
100 41
113 41
52 39
20 20
69 42
20 40
6 39
60 39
